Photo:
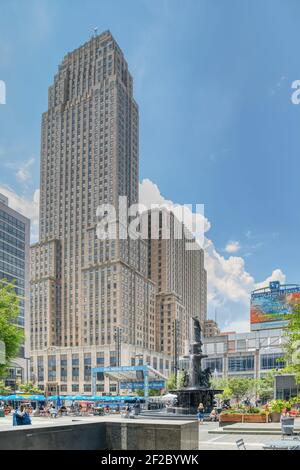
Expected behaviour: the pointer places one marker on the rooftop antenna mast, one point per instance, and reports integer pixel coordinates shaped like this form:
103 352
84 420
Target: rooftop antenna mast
95 32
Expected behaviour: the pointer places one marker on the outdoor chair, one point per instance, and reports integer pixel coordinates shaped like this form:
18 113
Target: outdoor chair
240 444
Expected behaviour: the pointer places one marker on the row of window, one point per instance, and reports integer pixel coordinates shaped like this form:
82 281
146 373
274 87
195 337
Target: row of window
12 220
244 363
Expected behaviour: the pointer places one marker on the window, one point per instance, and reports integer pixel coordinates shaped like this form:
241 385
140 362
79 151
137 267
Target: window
63 368
87 367
241 344
100 359
113 359
215 364
100 387
240 363
75 360
51 368
40 368
271 361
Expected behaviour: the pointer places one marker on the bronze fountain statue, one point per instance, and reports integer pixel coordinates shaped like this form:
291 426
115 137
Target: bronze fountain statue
196 385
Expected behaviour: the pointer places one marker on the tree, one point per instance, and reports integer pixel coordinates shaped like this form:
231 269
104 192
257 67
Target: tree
241 387
171 382
180 379
10 333
3 389
221 384
152 392
292 346
237 388
265 386
30 388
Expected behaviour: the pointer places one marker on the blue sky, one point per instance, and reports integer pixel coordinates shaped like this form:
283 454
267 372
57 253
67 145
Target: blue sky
217 126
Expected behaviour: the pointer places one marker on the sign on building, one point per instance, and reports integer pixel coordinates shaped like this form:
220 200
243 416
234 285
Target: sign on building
155 384
271 305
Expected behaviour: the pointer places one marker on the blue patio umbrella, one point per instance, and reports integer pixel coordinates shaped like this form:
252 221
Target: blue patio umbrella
15 398
36 398
79 398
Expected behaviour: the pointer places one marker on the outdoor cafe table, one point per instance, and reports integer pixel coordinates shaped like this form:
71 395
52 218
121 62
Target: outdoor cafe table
283 444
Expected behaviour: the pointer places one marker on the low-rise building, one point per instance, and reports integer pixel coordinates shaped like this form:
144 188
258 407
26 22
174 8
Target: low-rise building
244 354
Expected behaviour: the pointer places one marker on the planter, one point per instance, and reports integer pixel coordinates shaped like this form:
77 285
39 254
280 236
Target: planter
255 418
275 417
230 418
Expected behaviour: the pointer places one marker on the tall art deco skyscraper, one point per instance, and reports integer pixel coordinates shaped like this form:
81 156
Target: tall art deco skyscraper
83 288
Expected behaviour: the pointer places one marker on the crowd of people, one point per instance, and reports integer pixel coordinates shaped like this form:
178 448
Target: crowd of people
22 414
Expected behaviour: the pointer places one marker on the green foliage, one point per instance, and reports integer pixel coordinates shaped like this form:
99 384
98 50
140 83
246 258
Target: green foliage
292 346
31 389
295 400
241 387
265 386
180 379
237 388
277 406
152 392
171 382
3 389
10 333
244 410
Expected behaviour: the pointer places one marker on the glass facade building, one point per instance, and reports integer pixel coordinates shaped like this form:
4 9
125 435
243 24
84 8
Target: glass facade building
14 265
250 354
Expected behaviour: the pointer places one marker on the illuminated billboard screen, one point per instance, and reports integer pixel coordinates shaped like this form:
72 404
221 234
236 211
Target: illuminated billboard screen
269 306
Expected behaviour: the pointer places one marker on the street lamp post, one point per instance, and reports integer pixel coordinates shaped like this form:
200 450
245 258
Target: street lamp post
175 347
118 343
27 359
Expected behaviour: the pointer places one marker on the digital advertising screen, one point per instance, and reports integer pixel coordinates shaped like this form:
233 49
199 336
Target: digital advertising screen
271 305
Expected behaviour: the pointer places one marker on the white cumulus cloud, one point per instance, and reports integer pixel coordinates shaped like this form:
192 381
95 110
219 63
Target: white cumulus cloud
232 247
23 173
229 284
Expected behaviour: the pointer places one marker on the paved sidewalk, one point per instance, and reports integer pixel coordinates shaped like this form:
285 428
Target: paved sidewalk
208 441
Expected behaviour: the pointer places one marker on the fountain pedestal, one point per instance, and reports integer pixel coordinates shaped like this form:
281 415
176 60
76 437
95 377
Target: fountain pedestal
189 399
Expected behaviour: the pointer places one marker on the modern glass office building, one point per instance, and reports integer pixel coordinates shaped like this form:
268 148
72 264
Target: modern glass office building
250 354
14 266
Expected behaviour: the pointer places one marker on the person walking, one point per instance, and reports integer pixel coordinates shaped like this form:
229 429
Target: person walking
200 413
